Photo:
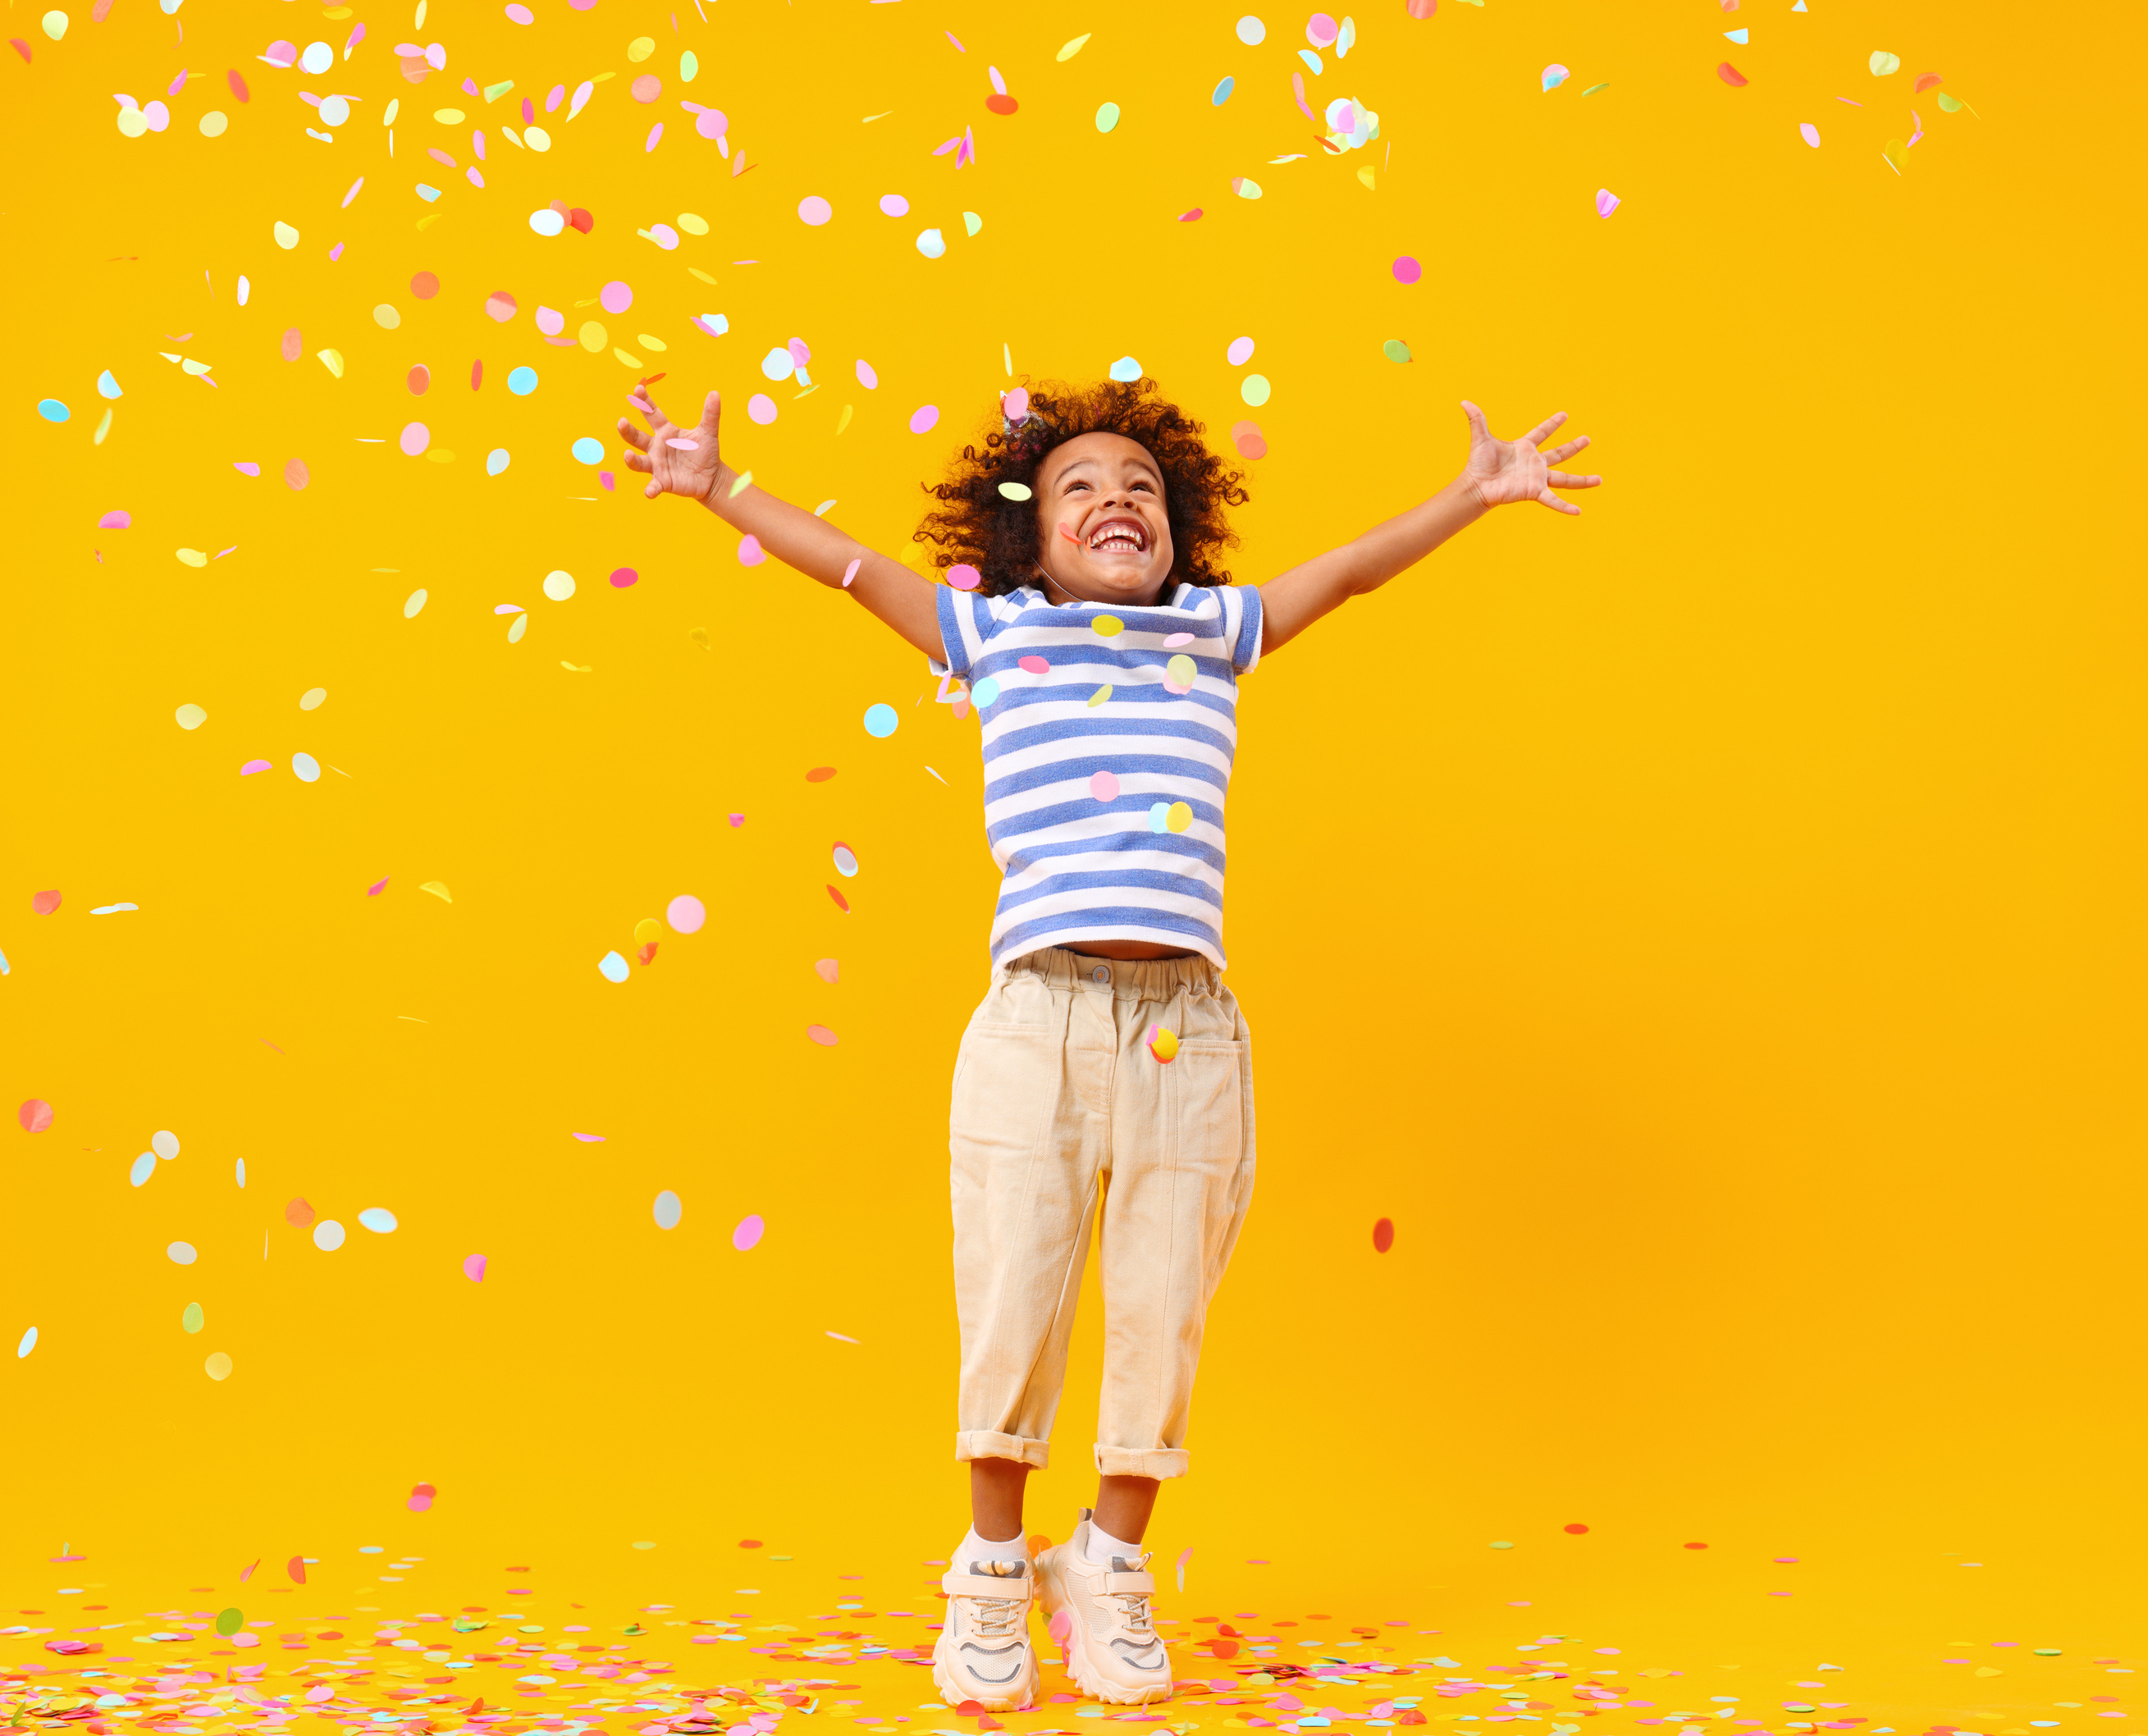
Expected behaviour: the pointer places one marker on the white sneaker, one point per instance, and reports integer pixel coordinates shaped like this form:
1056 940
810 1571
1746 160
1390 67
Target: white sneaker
1101 1615
983 1653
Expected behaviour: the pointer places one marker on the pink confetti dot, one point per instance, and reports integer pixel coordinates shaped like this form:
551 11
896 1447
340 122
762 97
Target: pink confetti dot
924 419
866 378
895 204
415 438
473 1270
1104 786
622 577
750 553
1607 201
616 297
821 1035
964 577
1407 270
647 88
500 305
711 123
760 407
749 1232
251 766
656 132
1321 30
813 210
1036 665
117 521
686 913
520 15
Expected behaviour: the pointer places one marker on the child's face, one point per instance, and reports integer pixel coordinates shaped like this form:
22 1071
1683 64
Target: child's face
1100 521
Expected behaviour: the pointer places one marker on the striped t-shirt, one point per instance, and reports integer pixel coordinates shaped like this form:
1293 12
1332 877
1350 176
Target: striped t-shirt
1108 734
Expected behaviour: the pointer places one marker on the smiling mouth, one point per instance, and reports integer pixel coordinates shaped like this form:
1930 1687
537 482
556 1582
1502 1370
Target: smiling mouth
1119 536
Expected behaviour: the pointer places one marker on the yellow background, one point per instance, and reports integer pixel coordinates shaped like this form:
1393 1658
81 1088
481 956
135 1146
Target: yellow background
1710 929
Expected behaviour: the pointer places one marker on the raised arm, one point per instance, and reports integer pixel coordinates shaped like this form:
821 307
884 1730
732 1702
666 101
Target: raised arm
1498 473
686 461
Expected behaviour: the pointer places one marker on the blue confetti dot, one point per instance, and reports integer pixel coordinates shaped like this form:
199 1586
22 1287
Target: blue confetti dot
143 1167
587 451
1125 370
522 382
668 1210
107 387
496 460
985 691
613 967
52 410
1159 816
881 720
1222 92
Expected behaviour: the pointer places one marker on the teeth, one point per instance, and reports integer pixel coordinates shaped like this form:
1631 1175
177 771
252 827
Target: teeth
1115 534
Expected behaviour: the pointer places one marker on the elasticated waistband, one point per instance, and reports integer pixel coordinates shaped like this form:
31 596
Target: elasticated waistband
1146 979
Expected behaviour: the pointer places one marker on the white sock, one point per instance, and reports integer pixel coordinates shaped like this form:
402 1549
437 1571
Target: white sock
974 1548
1103 1546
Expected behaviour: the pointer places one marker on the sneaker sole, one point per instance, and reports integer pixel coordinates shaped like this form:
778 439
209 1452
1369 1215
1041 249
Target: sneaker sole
998 1701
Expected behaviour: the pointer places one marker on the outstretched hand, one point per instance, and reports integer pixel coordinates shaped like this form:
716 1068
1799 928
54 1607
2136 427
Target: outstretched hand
676 460
1505 472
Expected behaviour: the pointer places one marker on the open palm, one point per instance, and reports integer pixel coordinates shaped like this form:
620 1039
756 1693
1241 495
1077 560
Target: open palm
1506 472
676 460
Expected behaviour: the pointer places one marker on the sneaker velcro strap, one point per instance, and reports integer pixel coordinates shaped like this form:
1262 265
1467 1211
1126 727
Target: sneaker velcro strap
957 1583
1119 1584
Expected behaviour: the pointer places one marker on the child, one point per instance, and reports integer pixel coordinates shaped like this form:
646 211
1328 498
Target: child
1107 1074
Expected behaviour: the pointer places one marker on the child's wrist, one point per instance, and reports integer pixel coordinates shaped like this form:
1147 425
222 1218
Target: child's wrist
720 491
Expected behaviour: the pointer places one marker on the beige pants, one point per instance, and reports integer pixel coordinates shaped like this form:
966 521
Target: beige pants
1061 1117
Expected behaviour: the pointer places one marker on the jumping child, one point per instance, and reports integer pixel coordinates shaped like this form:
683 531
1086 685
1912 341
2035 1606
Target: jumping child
1107 1074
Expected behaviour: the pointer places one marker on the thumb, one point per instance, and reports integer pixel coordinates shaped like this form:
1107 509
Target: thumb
1478 430
712 412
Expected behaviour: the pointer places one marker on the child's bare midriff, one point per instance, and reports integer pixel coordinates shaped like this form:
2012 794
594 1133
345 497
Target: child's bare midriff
1130 950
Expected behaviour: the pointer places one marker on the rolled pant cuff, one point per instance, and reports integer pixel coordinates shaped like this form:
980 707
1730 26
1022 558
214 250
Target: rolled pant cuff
989 1443
1156 1462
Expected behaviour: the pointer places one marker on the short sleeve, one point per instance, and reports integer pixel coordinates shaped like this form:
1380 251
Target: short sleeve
964 628
1244 602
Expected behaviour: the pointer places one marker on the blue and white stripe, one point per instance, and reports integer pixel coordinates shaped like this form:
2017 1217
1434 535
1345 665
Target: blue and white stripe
1075 867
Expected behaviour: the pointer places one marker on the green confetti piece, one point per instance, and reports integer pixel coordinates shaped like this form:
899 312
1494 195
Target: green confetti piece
1593 88
494 92
1395 350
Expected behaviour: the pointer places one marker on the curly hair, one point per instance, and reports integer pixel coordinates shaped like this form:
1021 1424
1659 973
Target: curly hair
977 524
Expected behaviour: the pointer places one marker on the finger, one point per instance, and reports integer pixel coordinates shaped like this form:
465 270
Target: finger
1560 455
649 410
1561 479
1548 499
1542 430
632 435
635 461
712 413
651 492
1478 430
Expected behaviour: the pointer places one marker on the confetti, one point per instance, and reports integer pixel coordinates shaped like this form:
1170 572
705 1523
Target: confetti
34 1114
881 720
748 1233
667 1210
